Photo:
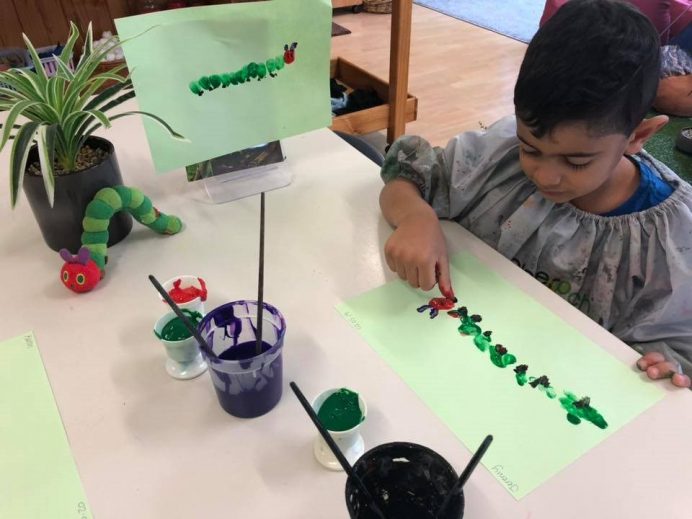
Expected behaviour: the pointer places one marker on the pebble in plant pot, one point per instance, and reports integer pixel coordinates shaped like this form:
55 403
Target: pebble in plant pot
55 157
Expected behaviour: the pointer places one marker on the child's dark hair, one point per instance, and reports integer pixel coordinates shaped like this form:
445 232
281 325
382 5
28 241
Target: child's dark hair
594 61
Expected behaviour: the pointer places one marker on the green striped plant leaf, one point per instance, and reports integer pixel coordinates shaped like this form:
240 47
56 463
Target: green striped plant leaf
20 152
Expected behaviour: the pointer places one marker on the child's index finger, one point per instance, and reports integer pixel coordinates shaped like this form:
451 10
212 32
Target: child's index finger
446 291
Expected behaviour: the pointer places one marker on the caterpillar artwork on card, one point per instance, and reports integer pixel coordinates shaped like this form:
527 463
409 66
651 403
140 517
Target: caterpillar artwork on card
253 70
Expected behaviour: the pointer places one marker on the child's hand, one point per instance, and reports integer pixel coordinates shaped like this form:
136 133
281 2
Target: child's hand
417 252
657 367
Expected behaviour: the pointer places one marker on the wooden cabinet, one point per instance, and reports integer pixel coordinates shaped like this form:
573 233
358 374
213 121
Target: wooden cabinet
46 22
356 5
371 119
401 107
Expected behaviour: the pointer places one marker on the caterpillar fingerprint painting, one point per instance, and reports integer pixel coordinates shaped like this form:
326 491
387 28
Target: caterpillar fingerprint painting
247 73
577 409
229 76
503 363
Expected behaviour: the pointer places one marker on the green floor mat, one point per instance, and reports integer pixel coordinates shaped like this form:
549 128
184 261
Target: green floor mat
662 146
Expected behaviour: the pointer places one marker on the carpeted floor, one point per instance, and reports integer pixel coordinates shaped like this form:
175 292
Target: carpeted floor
517 19
662 146
338 30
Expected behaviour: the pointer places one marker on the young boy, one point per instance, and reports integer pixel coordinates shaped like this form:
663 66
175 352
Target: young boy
565 189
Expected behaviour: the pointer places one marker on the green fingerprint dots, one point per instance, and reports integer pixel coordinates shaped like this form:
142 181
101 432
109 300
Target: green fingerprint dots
520 374
469 324
500 357
578 409
252 71
482 341
542 383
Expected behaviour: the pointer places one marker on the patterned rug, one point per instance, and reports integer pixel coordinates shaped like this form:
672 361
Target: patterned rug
517 19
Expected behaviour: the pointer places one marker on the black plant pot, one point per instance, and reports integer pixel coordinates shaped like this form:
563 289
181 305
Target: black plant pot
61 225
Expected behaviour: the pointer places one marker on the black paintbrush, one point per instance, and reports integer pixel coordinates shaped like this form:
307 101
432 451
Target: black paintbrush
475 459
336 451
260 279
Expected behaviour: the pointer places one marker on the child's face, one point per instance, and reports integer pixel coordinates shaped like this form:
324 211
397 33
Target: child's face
569 164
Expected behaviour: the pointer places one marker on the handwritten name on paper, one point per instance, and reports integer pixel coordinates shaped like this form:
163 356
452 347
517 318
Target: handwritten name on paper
352 319
511 485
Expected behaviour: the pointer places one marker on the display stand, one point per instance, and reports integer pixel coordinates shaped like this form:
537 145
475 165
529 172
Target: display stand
246 182
242 173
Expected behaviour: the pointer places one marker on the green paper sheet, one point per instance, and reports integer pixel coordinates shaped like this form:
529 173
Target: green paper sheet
38 475
171 49
533 440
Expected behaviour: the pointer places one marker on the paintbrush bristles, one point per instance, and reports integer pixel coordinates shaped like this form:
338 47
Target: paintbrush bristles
260 279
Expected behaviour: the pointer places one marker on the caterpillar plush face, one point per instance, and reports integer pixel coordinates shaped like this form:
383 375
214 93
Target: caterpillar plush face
79 273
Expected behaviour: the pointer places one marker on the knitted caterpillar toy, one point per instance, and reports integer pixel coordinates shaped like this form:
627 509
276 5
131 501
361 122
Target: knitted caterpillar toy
82 273
250 71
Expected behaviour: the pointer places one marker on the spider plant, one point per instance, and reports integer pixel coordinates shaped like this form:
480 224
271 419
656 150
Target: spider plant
60 113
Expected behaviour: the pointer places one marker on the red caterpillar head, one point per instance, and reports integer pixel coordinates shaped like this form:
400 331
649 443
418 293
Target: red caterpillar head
290 53
79 273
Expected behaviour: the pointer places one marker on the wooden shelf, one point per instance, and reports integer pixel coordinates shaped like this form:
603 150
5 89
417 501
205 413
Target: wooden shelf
401 107
336 4
399 50
371 119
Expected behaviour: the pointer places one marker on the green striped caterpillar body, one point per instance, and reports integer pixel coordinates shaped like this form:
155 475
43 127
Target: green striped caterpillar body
110 200
245 74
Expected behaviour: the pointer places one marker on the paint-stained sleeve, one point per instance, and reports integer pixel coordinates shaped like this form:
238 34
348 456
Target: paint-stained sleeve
453 177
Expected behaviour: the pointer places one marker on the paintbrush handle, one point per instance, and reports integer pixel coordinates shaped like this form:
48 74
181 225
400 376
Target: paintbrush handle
260 280
468 470
176 309
335 449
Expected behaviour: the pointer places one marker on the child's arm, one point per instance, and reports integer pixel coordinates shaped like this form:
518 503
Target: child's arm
424 183
417 247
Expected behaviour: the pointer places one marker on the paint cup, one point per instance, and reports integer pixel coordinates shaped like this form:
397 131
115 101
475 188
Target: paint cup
187 291
407 480
184 360
350 441
247 384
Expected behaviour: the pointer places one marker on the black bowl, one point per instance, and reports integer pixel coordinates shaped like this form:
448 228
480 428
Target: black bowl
407 480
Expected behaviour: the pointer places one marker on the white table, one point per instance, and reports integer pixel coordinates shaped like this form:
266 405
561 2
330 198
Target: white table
148 446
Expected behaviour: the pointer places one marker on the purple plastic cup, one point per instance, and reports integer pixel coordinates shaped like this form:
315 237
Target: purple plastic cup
247 384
